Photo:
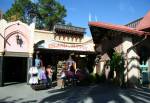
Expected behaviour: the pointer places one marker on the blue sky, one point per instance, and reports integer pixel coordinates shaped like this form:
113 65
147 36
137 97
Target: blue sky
111 11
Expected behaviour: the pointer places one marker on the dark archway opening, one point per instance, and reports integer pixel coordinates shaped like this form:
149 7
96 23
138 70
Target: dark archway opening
15 70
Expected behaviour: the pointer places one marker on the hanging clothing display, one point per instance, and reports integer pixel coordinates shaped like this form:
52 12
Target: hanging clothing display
70 62
33 75
37 62
41 74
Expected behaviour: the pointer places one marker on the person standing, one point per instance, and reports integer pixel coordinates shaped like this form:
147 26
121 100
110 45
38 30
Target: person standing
63 77
49 74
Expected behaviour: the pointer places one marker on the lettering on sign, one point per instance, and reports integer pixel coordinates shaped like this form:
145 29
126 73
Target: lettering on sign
69 46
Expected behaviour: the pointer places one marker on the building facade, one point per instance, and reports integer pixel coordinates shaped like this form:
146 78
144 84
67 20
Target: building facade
131 41
20 43
16 50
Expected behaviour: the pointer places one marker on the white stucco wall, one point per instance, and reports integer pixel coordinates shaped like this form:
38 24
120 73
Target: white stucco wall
102 63
3 24
31 49
42 35
133 61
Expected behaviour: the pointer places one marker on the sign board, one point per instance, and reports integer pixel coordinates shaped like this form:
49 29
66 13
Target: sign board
69 46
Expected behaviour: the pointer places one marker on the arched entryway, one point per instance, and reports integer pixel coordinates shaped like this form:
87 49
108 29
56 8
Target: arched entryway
17 53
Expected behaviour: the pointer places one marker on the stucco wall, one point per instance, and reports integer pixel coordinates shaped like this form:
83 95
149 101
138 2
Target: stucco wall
51 35
12 32
43 35
132 72
3 24
52 39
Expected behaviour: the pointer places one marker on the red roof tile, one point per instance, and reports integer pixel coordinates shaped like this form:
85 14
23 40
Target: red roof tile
120 28
144 23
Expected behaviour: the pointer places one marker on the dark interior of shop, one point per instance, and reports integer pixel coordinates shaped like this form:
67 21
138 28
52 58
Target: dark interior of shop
15 70
52 57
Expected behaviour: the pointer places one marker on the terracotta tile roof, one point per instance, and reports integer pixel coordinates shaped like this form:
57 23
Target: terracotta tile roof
144 23
120 28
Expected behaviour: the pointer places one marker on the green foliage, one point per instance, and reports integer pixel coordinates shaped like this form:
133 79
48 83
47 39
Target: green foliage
17 11
51 12
116 62
47 13
1 14
117 65
95 78
92 78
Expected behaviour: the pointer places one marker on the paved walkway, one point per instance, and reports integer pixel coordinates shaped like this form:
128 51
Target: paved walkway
103 93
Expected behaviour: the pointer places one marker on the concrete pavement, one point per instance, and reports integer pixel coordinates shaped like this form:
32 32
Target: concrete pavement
102 93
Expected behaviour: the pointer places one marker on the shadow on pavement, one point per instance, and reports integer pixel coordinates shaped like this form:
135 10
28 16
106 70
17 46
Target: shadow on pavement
140 94
102 93
88 94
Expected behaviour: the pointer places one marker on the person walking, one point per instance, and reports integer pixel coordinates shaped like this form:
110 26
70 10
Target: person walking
49 74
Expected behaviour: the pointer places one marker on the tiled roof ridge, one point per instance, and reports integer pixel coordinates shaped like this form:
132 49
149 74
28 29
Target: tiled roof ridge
144 23
116 27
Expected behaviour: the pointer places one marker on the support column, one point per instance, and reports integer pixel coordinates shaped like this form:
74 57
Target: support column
98 64
1 71
29 64
98 68
132 63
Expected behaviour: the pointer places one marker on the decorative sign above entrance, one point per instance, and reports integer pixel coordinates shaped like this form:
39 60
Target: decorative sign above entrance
88 46
16 38
19 40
